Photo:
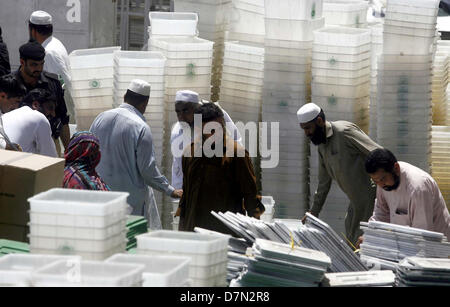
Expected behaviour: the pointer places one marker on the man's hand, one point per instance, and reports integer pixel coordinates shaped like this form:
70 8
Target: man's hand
358 243
177 194
178 213
304 218
17 147
257 213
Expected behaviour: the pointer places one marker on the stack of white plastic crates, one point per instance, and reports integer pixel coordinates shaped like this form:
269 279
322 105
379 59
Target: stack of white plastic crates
188 67
214 17
346 13
147 66
208 253
91 224
404 80
341 74
443 47
92 83
242 82
289 27
377 49
247 22
440 159
440 84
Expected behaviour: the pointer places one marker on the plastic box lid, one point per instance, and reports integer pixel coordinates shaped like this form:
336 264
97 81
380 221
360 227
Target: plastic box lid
92 58
173 23
342 36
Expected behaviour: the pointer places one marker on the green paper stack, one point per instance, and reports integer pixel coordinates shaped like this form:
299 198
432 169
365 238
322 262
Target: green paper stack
13 247
136 225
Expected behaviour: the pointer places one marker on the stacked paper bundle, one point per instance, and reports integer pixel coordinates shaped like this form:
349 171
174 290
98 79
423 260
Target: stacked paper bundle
423 272
384 278
392 243
277 264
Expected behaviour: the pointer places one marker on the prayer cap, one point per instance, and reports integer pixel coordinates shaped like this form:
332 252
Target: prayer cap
41 18
140 87
186 96
308 112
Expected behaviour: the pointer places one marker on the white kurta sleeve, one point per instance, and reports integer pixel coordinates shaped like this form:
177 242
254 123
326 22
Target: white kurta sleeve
44 141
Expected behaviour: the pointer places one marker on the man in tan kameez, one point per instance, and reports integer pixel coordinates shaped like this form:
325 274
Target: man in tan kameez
216 183
343 148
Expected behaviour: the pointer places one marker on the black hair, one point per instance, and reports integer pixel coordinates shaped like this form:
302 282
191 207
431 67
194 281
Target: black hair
134 98
209 112
40 95
321 115
380 158
12 87
45 30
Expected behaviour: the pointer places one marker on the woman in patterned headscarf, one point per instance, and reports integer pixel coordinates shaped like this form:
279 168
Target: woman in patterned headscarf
82 156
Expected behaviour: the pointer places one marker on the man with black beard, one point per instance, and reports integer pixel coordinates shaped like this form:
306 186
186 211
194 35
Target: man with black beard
343 149
406 195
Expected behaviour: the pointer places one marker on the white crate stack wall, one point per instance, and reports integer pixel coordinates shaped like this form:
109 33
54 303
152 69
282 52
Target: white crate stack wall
148 66
90 224
188 67
404 80
443 46
214 17
346 13
242 82
440 160
92 83
440 98
289 27
247 22
377 49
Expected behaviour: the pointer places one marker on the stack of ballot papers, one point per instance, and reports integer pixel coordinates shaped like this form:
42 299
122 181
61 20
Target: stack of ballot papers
360 279
386 244
278 264
315 235
423 272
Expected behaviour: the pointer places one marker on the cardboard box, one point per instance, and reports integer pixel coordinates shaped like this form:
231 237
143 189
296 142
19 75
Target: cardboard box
14 232
23 175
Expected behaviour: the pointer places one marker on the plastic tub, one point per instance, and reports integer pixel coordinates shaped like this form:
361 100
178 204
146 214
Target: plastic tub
92 58
342 36
332 64
340 57
100 102
91 274
293 9
162 23
341 49
395 43
16 269
345 12
296 30
249 73
321 89
341 73
92 92
209 12
341 81
159 271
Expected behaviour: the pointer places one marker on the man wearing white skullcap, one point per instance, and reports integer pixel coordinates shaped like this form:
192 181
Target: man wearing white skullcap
128 158
56 57
343 148
185 104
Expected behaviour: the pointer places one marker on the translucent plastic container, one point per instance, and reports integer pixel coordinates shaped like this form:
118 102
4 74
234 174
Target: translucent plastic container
92 84
340 73
342 104
333 64
341 81
247 17
92 58
100 102
159 271
215 281
322 89
16 269
91 274
294 10
173 23
340 57
295 30
209 12
137 71
242 79
410 31
201 247
88 233
324 48
401 43
342 36
77 245
179 47
92 92
249 73
345 12
77 208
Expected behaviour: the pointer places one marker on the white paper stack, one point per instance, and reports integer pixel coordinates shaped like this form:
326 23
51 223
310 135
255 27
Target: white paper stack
348 13
213 22
341 74
384 278
404 80
440 160
92 83
390 242
277 264
423 272
91 224
287 75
